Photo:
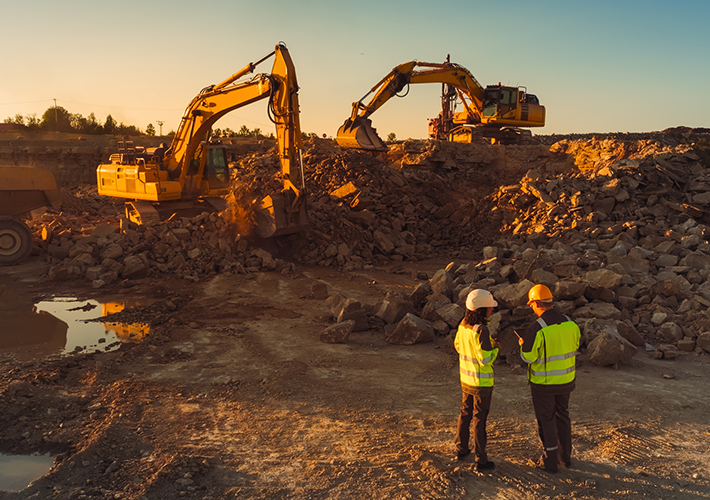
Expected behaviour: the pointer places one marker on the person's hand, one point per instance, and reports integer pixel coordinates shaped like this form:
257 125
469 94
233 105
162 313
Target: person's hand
520 341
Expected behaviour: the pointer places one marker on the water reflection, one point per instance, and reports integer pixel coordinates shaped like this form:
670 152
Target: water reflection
18 471
62 325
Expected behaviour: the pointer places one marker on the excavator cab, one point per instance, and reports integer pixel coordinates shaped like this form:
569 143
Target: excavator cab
499 101
216 171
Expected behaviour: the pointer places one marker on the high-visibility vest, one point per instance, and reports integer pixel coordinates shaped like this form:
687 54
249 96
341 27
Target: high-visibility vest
475 364
552 358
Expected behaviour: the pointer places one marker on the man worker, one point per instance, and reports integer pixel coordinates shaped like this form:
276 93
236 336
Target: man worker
549 348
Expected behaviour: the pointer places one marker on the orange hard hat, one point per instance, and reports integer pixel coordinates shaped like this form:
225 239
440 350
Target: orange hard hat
539 292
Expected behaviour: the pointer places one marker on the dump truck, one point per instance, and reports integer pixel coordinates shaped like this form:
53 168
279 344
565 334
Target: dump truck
22 189
495 112
193 172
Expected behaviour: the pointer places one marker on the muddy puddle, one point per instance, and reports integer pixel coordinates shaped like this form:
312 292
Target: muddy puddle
18 471
64 325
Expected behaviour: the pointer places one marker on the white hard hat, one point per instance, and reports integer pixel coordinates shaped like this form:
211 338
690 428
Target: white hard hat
480 298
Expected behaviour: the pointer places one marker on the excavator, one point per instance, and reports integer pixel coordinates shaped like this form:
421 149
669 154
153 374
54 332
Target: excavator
192 174
492 112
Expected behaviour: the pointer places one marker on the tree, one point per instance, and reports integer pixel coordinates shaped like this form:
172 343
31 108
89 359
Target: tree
244 131
110 125
391 137
33 123
150 130
58 119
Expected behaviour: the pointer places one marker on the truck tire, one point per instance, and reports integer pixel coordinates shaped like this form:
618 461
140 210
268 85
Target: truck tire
15 241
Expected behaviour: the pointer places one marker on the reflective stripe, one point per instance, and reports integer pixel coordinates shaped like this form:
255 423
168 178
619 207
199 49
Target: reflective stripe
553 372
551 449
525 359
559 357
476 374
541 322
474 360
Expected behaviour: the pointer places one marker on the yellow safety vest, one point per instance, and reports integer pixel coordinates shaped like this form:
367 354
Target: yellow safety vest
552 358
475 364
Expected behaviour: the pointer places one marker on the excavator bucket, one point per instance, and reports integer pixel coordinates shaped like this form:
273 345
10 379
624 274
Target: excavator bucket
359 134
277 215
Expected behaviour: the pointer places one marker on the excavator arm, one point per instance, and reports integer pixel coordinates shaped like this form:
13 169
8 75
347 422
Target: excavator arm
216 101
357 131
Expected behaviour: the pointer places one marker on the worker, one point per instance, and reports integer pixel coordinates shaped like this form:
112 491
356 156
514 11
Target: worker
549 347
477 351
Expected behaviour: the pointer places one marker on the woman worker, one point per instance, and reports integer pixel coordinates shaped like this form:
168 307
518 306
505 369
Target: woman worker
477 351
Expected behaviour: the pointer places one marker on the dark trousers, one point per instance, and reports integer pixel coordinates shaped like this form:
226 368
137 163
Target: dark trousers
474 409
553 425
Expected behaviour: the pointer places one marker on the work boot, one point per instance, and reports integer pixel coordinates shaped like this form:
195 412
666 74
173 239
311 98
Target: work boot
485 466
548 463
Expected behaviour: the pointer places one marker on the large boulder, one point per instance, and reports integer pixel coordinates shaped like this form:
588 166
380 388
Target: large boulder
609 349
411 330
515 295
337 333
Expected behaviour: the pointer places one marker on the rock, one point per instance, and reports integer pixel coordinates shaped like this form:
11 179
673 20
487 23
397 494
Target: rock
608 349
103 230
58 273
703 341
135 268
433 303
319 290
601 310
604 278
335 303
338 333
441 282
687 344
393 308
628 331
93 273
452 314
670 332
382 242
545 278
411 330
515 295
569 290
420 293
112 251
351 309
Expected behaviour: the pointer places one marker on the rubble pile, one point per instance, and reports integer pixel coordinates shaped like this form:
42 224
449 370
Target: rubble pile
419 200
191 248
623 242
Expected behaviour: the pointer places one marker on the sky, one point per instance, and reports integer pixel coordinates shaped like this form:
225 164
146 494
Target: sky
596 66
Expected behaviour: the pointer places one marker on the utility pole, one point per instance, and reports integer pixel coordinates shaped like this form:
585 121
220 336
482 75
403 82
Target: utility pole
160 124
56 117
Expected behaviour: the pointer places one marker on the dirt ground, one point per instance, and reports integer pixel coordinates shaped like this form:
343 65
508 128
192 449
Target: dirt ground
232 395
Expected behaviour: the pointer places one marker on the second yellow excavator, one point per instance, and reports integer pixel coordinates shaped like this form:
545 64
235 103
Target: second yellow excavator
492 112
193 172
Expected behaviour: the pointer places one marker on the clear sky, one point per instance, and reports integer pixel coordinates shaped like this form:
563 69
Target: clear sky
597 66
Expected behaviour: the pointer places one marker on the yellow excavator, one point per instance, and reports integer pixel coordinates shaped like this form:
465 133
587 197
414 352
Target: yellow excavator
492 112
193 173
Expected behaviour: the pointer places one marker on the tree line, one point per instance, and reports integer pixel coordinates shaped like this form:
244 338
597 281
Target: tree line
58 119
